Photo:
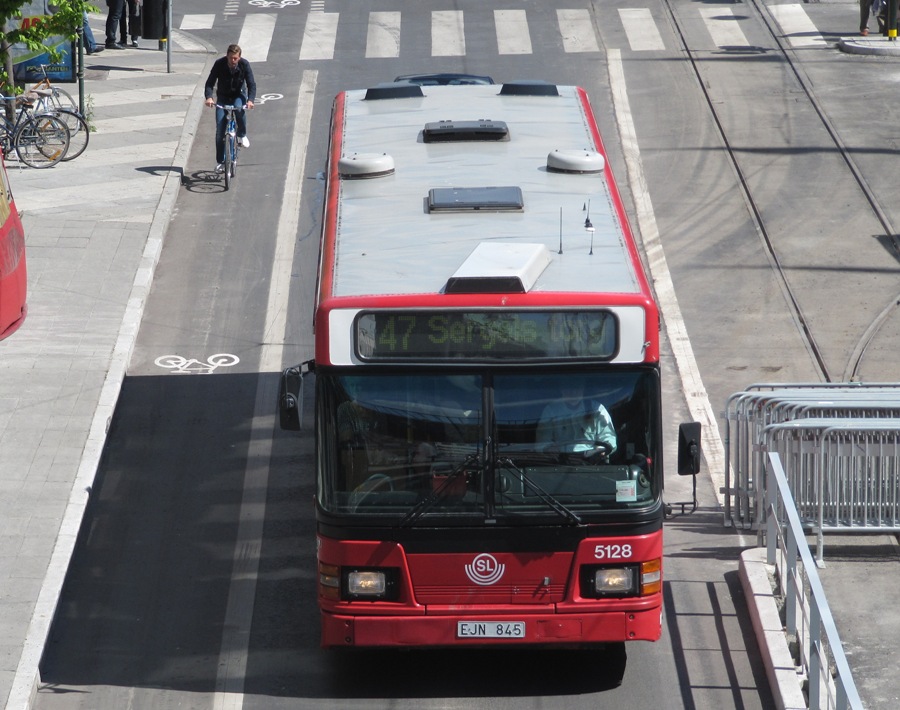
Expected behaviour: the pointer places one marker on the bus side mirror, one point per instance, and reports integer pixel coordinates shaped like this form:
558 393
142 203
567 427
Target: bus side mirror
290 396
689 448
289 393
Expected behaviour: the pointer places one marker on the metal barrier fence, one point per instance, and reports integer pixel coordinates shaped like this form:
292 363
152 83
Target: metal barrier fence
748 413
844 474
807 614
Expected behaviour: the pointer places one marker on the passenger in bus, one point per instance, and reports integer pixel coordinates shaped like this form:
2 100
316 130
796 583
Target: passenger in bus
577 424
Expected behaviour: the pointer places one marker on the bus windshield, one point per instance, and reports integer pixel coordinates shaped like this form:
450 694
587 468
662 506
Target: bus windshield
484 445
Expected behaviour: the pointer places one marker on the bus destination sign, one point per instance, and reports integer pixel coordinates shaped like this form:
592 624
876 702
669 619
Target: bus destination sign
486 335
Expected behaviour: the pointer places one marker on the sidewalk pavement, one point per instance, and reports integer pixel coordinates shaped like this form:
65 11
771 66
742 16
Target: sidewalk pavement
94 228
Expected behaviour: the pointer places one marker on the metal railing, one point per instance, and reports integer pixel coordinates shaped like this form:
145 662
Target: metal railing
808 617
844 474
748 413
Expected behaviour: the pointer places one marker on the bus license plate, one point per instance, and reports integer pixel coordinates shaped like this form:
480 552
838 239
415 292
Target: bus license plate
490 629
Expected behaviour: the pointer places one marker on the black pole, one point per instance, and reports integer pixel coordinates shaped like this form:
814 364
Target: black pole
892 20
79 67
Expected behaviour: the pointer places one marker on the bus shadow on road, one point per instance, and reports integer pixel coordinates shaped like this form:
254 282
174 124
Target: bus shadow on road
476 673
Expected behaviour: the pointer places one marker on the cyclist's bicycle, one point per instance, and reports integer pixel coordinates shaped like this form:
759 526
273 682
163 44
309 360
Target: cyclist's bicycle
232 144
40 140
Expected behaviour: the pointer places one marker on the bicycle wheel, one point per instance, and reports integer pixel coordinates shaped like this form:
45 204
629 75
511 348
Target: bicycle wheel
41 141
79 133
63 100
229 159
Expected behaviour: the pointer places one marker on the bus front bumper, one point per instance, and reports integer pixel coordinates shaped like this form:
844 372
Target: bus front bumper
474 630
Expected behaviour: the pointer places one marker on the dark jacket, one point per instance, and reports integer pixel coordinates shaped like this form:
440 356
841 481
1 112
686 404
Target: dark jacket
229 86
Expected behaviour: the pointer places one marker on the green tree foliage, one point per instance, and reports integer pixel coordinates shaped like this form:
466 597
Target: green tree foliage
65 21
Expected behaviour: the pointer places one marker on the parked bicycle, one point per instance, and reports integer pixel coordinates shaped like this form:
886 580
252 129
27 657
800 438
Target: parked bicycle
40 140
79 132
49 98
58 98
232 144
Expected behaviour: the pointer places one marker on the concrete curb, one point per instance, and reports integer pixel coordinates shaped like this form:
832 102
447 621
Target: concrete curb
784 678
877 45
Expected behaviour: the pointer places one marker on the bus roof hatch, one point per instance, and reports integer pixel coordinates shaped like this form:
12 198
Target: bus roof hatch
498 267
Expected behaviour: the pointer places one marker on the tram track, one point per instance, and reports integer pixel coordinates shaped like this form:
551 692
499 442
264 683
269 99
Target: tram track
792 293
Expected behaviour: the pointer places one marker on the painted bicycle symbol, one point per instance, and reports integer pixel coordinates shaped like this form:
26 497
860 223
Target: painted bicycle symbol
272 3
267 97
183 365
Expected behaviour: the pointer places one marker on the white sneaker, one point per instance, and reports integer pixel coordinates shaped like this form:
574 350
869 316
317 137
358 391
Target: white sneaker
220 168
245 141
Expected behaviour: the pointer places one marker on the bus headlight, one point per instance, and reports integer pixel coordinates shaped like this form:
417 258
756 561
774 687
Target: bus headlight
613 580
366 584
370 584
600 582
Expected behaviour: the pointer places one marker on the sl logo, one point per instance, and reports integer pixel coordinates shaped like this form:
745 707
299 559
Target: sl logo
485 570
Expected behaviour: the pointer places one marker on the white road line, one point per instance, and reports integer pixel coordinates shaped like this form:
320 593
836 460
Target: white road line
798 29
577 31
692 386
512 32
235 649
279 287
723 27
319 36
383 38
256 37
641 30
197 22
448 38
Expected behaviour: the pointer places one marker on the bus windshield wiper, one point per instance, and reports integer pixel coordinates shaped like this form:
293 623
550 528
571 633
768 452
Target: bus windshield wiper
562 510
428 502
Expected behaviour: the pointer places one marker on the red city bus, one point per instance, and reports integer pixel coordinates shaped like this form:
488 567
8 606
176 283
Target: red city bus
488 403
13 279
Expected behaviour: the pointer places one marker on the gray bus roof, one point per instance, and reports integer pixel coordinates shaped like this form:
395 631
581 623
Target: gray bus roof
388 240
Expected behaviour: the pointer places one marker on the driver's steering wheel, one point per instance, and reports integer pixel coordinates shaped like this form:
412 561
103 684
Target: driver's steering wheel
591 452
365 489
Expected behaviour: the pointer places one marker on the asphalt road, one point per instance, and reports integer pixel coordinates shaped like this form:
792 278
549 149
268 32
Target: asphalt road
156 603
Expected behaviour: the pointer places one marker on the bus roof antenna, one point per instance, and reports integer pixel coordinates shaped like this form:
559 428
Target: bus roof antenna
560 230
589 226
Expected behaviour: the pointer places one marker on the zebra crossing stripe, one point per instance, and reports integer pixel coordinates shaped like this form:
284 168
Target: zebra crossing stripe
448 37
576 27
383 38
512 32
723 27
197 22
319 36
643 36
577 30
798 29
256 37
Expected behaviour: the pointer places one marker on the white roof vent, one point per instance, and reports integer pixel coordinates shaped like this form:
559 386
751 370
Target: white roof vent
500 267
575 161
365 165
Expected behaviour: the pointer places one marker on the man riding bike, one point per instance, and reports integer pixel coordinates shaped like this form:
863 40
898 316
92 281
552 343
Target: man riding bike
228 78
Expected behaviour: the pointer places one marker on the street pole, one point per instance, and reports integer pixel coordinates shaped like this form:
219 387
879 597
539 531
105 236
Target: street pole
169 34
892 20
79 38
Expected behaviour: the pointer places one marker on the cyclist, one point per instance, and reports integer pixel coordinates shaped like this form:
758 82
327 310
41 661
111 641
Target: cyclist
228 77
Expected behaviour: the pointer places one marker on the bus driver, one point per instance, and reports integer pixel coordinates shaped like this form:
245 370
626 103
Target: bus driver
575 424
